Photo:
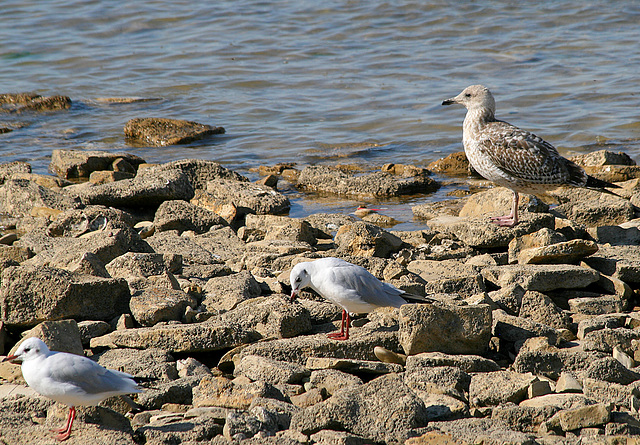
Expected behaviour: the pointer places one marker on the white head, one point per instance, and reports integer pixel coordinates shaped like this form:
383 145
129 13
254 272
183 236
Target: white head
300 278
474 97
31 348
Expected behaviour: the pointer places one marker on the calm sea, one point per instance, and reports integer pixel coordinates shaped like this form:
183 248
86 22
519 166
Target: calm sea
326 82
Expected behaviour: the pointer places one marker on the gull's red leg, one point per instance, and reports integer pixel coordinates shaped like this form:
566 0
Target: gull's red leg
344 333
64 435
339 335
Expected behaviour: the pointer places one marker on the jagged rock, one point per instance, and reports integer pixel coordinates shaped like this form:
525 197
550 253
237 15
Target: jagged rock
334 181
143 264
199 172
151 362
485 431
543 237
445 380
19 197
593 208
600 158
352 366
92 328
566 252
272 227
444 328
621 262
431 210
552 363
180 215
497 201
20 102
525 419
324 225
584 417
455 164
600 305
365 239
271 371
610 370
220 391
81 163
29 295
225 293
494 388
248 197
604 340
172 428
153 305
540 308
481 233
610 393
541 277
331 380
448 277
466 363
160 132
516 329
385 409
199 337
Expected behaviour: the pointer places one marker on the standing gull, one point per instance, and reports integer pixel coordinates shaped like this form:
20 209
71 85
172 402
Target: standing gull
351 287
511 157
69 379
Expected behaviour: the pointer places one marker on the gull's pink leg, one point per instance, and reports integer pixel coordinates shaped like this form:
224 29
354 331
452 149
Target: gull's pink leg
511 219
66 425
66 432
344 333
339 335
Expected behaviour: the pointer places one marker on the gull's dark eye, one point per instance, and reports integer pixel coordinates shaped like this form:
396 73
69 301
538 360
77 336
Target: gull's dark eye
27 349
467 95
298 279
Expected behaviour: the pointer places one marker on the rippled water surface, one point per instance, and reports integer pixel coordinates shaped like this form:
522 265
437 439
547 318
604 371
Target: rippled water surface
320 82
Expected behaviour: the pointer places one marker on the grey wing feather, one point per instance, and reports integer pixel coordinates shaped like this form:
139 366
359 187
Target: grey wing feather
367 286
90 376
526 156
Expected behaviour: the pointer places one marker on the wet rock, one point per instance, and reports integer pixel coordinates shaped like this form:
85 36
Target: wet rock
269 370
487 389
481 233
448 277
153 305
444 328
68 164
225 293
365 239
30 295
455 164
180 215
541 277
248 197
331 380
21 102
334 181
384 409
20 197
160 132
199 337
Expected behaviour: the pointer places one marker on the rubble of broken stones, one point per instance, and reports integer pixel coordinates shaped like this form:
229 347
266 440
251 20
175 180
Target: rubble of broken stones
178 274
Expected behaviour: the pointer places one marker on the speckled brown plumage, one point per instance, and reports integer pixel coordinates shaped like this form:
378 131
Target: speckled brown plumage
512 157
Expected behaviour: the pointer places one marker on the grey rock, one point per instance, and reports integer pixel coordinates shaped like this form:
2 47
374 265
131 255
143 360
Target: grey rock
543 237
174 429
364 239
525 419
18 197
602 157
609 369
480 233
604 340
199 337
516 329
448 277
192 252
621 261
92 328
160 132
541 277
69 164
77 222
497 201
271 371
181 215
508 298
249 197
601 305
155 304
331 380
334 181
584 417
273 227
190 367
552 363
444 328
494 388
199 172
384 409
30 295
445 380
352 365
485 431
222 392
331 437
143 264
598 322
325 225
152 362
593 208
466 363
21 102
225 293
610 393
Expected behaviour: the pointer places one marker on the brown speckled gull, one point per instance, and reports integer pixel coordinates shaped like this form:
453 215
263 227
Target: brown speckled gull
512 157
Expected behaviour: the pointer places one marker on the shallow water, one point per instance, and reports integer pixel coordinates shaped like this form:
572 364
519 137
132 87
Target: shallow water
320 82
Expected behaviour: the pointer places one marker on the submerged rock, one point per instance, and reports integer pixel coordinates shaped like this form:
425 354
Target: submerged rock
159 132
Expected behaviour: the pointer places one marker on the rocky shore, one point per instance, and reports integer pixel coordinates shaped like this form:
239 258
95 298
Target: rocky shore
178 274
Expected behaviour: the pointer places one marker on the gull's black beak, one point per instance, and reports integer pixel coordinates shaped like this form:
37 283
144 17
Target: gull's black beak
449 101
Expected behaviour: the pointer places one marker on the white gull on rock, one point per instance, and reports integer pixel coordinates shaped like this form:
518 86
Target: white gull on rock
512 157
347 285
69 378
